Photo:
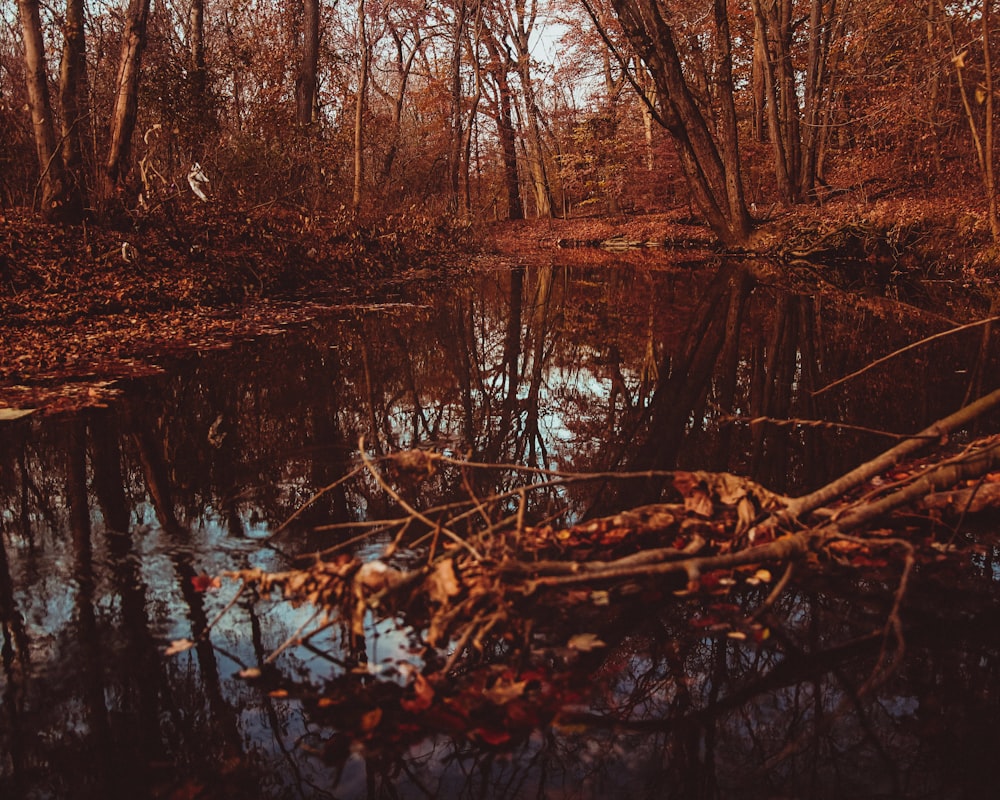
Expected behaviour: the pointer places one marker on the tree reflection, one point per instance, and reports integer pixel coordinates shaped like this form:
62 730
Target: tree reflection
112 520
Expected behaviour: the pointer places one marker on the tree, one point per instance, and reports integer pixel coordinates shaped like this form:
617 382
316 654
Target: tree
498 69
73 96
364 53
126 101
306 81
407 40
521 26
708 147
795 132
196 51
58 201
984 95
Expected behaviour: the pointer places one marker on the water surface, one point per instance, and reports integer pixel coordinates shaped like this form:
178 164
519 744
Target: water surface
113 522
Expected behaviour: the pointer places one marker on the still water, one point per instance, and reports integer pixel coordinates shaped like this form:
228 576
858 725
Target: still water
114 521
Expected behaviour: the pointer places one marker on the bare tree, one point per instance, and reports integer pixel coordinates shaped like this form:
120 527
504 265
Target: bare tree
708 147
307 82
364 51
73 96
126 101
56 195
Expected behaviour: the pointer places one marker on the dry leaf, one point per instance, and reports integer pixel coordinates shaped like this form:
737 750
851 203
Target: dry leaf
14 413
249 674
600 597
503 691
585 642
442 583
374 575
423 696
371 719
178 646
698 502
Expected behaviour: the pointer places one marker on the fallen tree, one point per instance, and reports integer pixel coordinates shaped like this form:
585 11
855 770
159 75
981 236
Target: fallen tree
480 580
479 560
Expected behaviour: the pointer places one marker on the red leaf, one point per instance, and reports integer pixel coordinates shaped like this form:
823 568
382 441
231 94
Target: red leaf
203 582
423 696
491 736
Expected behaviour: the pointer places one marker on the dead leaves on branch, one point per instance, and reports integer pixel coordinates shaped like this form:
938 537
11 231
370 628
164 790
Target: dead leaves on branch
493 576
496 607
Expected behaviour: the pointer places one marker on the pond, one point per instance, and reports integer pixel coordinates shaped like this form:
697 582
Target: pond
117 520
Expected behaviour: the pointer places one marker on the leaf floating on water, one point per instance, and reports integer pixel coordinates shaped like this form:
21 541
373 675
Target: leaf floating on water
503 691
10 414
424 696
178 646
371 719
492 736
202 583
585 642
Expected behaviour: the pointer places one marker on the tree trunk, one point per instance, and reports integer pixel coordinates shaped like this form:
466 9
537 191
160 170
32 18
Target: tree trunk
196 53
989 176
816 63
306 81
126 103
521 29
73 99
56 196
711 166
359 106
774 53
455 133
505 126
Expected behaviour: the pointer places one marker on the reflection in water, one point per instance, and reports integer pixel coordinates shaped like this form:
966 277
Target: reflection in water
114 521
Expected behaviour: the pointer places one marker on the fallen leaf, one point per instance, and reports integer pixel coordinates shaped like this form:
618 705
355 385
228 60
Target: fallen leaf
600 597
374 575
442 583
370 720
503 691
178 646
423 696
698 502
585 642
203 582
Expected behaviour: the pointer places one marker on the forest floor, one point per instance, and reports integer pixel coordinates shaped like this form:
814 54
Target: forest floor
82 307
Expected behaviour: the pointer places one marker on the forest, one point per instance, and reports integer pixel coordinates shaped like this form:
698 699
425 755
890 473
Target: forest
496 111
498 398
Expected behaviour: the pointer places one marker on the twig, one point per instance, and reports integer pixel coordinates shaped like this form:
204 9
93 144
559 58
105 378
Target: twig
902 350
805 504
370 466
293 639
815 423
314 498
